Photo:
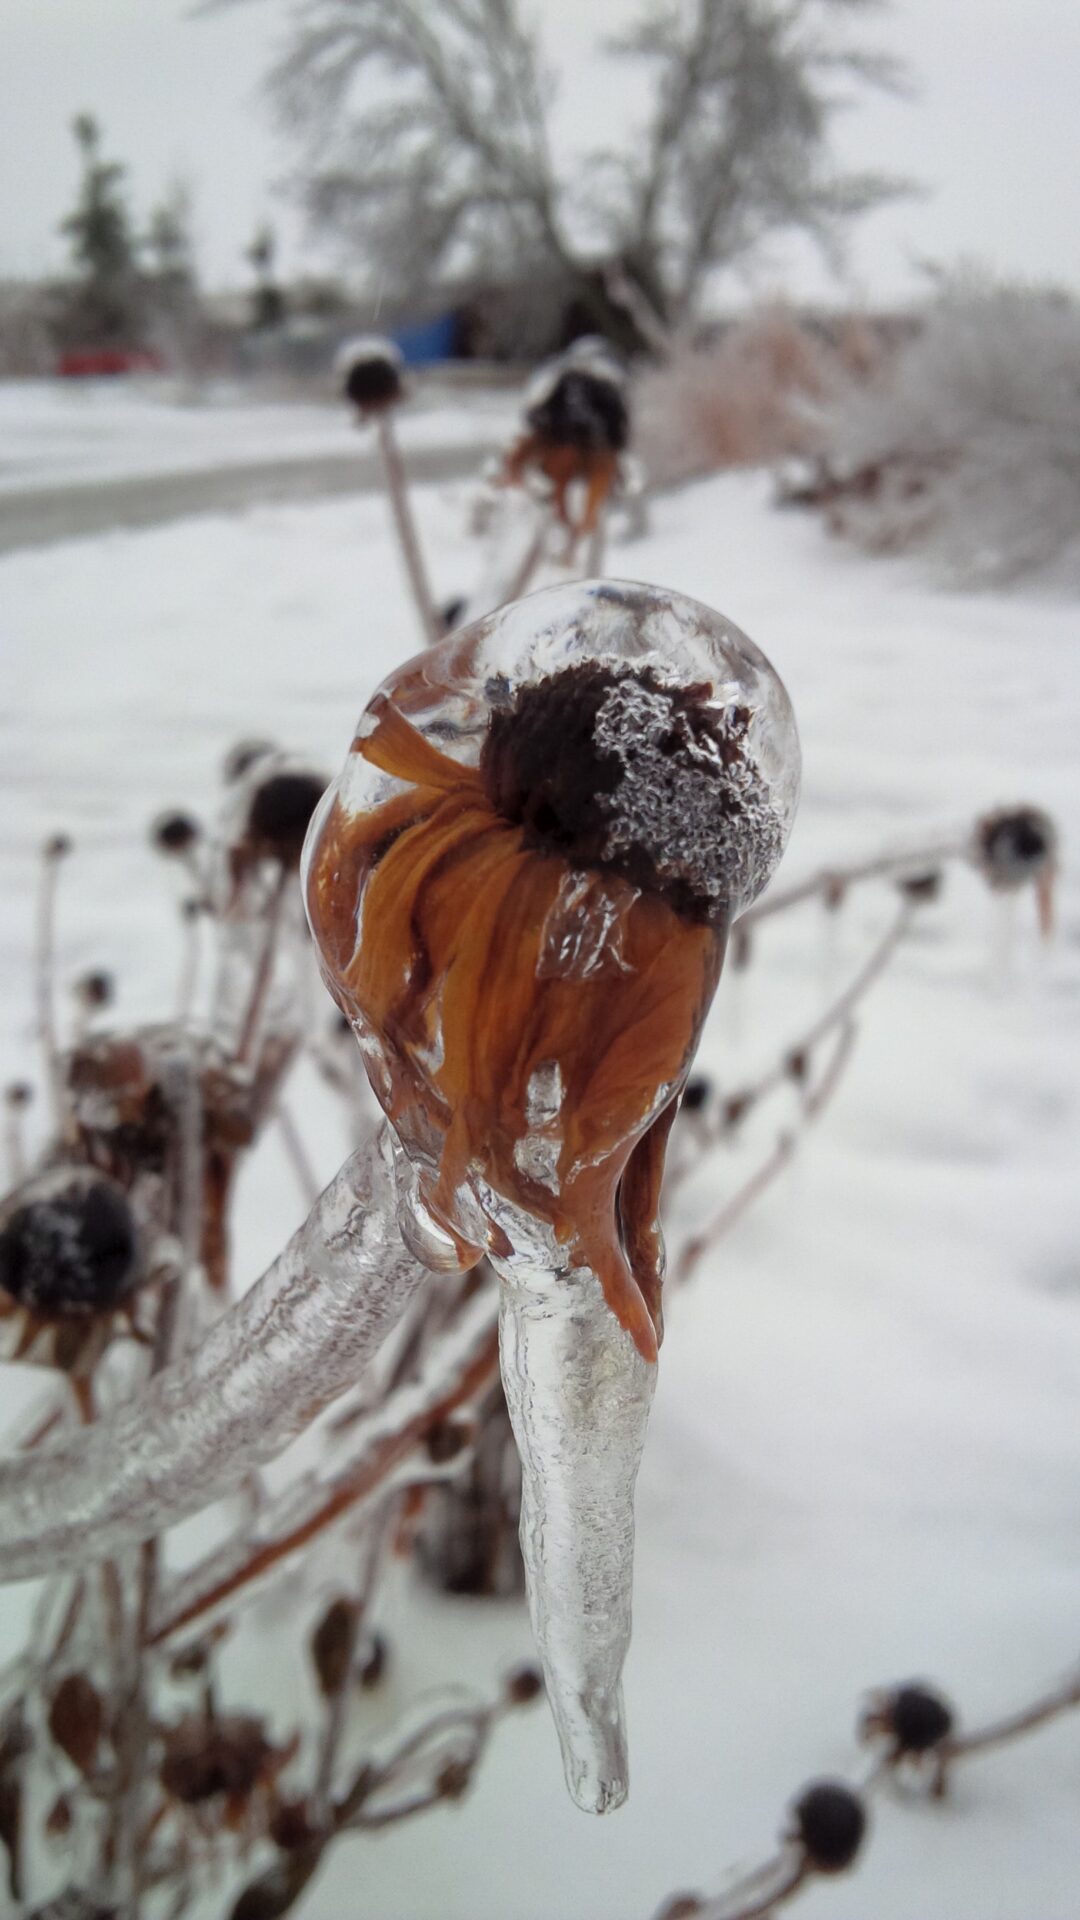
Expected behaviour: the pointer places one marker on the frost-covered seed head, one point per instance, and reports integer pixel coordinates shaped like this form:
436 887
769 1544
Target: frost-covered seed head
280 814
916 1717
830 1823
585 409
1015 845
69 1246
613 769
370 370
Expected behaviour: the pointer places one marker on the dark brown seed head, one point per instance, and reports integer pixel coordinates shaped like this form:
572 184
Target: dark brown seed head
279 815
695 1093
372 380
917 1718
206 1758
830 1822
95 990
332 1645
18 1094
583 410
524 1685
71 1249
1015 845
76 1720
612 769
57 846
174 832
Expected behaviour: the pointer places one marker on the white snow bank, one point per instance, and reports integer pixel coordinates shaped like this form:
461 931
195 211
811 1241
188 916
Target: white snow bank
864 1455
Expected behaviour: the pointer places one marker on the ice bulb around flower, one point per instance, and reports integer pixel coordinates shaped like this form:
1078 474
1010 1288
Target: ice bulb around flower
520 889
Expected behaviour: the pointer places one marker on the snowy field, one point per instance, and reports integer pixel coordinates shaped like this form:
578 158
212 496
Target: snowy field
864 1459
54 433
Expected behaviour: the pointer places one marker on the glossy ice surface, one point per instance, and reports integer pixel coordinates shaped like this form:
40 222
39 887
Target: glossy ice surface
520 889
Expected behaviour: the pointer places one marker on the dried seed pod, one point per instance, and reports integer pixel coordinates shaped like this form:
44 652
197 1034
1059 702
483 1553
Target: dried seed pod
520 891
913 1718
77 1719
370 369
524 1685
577 427
332 1645
95 990
1018 847
207 1758
269 811
69 1246
175 833
1014 845
696 1093
829 1821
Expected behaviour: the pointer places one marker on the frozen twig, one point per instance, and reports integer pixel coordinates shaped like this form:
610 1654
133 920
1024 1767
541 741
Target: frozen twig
296 1341
831 884
763 1175
791 1066
913 1727
457 1367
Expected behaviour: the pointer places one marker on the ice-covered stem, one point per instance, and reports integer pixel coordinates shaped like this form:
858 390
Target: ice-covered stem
268 1366
405 526
579 1394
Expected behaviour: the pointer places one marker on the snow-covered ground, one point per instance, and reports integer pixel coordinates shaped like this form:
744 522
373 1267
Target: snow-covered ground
865 1453
55 433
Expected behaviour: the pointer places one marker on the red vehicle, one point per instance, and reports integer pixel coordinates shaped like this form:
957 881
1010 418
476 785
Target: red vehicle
83 363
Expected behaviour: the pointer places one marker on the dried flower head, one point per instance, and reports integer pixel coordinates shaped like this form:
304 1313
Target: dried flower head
1017 847
175 832
520 892
577 427
207 1758
95 990
69 1247
829 1821
269 812
913 1719
370 371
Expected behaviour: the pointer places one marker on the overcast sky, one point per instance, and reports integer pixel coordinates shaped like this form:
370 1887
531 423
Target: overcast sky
992 131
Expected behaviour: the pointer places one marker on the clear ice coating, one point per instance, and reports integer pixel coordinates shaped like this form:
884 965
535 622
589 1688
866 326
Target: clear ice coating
520 890
301 1336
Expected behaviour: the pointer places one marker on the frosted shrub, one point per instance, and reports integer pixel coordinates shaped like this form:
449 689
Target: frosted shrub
967 444
736 402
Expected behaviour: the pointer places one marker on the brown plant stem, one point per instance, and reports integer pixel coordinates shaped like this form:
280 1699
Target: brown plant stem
774 1164
405 527
385 1439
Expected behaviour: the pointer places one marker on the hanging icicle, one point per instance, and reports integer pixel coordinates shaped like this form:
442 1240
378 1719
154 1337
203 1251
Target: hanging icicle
521 889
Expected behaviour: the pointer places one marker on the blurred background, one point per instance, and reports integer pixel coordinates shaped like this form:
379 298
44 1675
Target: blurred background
824 255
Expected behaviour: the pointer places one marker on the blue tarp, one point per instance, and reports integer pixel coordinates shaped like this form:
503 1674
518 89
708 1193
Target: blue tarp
428 340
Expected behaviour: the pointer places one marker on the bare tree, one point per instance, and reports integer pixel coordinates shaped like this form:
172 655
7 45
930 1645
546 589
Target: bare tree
423 134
